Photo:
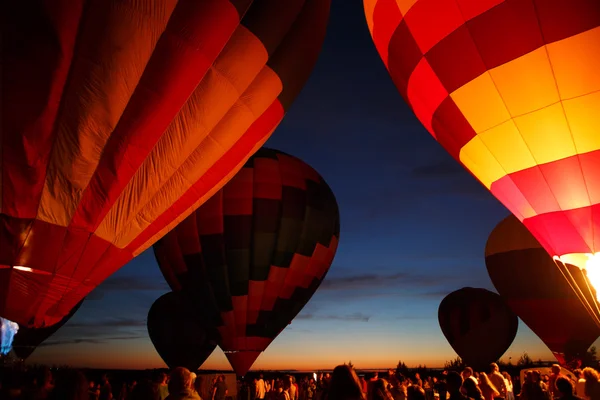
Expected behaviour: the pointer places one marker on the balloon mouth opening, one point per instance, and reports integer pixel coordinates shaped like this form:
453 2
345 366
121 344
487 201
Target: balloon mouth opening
588 262
23 268
8 330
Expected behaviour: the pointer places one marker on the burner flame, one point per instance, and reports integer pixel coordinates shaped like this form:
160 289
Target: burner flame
8 330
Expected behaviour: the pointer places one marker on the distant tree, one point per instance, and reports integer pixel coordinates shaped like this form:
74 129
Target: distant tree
422 370
402 369
525 360
455 365
590 358
592 353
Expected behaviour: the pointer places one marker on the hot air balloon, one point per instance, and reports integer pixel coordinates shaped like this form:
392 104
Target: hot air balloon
120 118
179 337
510 88
255 252
28 339
479 326
528 281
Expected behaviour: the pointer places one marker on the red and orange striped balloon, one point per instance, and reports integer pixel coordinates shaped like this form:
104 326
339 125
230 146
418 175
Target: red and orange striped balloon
511 89
119 118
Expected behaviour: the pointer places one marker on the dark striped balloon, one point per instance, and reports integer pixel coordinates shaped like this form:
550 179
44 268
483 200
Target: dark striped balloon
119 118
253 255
180 337
477 323
531 284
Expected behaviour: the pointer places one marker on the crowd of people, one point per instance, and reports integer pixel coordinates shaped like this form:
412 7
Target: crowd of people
342 384
345 384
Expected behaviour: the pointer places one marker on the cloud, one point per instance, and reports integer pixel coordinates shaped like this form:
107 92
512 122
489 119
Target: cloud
129 283
99 331
358 317
400 287
134 283
453 178
88 340
439 169
70 341
436 294
109 323
366 281
462 185
415 317
299 330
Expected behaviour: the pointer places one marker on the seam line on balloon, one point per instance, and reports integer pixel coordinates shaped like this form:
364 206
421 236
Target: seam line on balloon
570 132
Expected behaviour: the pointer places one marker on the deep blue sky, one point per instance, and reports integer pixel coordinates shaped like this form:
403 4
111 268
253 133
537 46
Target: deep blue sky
414 227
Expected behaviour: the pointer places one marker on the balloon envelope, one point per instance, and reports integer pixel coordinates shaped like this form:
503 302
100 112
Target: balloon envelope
119 119
479 326
529 282
178 335
253 255
511 90
28 339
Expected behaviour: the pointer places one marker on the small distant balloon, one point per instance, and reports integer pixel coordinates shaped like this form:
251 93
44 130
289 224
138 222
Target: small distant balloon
479 326
178 334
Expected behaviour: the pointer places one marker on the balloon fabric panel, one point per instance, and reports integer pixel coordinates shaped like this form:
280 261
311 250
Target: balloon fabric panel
527 279
28 339
256 251
125 117
510 88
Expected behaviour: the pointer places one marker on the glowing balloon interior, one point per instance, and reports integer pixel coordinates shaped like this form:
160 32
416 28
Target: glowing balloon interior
8 330
511 90
590 263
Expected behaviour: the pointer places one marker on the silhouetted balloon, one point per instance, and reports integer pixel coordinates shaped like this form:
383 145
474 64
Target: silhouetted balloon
28 339
529 282
179 336
254 254
120 118
477 323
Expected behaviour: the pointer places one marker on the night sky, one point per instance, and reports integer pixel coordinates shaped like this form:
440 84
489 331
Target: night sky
413 228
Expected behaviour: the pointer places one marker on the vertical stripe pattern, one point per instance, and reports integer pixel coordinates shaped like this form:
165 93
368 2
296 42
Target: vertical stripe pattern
122 117
510 88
